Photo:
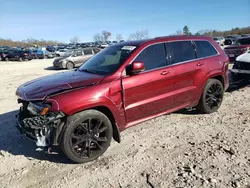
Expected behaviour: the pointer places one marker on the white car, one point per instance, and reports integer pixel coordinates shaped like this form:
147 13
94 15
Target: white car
219 40
241 67
61 52
104 45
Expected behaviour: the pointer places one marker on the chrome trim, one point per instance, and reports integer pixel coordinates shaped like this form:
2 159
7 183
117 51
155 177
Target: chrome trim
183 62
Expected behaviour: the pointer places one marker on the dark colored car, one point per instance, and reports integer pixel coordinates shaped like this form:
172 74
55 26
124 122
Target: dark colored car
241 46
17 55
229 41
121 86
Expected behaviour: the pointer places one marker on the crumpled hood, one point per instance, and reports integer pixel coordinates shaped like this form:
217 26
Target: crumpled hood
40 88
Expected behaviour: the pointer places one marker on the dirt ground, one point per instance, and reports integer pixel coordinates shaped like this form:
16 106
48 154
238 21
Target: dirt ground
182 149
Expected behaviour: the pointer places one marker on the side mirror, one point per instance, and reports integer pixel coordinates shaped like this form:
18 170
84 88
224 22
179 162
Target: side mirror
136 67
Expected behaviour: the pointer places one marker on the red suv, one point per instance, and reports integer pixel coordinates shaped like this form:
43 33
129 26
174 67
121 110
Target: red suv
123 85
241 46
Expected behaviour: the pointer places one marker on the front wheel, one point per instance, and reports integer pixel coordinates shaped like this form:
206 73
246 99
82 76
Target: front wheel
69 65
211 97
87 136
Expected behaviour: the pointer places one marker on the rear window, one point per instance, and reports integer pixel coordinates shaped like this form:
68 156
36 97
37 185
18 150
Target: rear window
180 51
204 49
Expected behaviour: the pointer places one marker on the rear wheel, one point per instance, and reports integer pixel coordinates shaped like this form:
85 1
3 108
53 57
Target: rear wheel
87 136
70 65
20 59
211 97
6 59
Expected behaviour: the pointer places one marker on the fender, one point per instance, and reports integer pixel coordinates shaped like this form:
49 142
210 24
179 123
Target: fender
76 101
208 76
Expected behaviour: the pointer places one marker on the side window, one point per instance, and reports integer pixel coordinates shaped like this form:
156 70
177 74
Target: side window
78 53
87 51
204 49
180 51
153 56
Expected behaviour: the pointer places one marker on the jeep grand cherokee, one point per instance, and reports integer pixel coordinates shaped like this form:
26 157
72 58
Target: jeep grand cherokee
121 86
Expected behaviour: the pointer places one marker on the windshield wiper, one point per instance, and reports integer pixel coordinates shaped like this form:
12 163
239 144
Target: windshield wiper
87 70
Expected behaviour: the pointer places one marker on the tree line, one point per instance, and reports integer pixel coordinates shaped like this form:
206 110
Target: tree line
28 42
215 33
141 34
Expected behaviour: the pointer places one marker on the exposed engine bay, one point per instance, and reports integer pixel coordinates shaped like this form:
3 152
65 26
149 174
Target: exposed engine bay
42 128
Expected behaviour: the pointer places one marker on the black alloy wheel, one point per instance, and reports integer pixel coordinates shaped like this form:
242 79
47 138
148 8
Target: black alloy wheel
87 136
212 97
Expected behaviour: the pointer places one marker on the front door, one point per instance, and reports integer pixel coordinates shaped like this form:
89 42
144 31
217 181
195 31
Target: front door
149 92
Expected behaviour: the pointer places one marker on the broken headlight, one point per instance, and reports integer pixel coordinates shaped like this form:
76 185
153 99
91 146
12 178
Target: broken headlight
38 108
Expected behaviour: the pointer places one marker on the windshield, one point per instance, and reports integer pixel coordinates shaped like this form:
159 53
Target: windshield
108 60
243 41
216 39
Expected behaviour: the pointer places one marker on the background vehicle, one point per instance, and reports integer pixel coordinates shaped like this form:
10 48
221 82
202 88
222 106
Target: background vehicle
61 52
241 46
18 55
103 45
77 58
241 67
219 40
49 54
229 41
121 86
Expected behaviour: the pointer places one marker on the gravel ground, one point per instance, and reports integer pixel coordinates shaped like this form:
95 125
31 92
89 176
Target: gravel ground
182 149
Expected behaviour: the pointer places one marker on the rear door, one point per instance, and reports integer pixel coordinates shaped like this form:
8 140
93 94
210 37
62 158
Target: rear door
188 72
149 92
88 53
77 57
208 57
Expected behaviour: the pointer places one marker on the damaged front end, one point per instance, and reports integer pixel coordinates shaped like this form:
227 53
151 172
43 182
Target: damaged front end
39 124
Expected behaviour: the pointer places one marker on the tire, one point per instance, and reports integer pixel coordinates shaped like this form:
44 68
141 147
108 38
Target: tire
79 141
70 65
6 59
20 59
212 95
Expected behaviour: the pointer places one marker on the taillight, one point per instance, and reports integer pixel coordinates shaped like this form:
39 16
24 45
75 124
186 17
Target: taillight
25 54
4 55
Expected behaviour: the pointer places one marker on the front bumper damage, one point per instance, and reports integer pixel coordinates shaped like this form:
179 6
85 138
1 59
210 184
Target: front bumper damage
43 129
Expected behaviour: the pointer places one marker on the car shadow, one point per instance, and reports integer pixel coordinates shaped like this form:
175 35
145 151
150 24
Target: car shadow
15 143
51 68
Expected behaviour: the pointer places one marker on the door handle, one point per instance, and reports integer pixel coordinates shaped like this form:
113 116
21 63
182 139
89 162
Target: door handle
200 63
165 72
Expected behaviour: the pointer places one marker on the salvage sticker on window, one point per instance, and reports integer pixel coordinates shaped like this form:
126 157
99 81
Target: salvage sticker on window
128 48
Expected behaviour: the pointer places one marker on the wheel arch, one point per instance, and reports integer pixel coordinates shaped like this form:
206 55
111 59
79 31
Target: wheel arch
116 132
69 61
216 76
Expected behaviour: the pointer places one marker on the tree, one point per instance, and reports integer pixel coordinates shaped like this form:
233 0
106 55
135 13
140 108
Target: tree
75 40
119 37
98 38
179 32
186 30
106 35
197 34
143 34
